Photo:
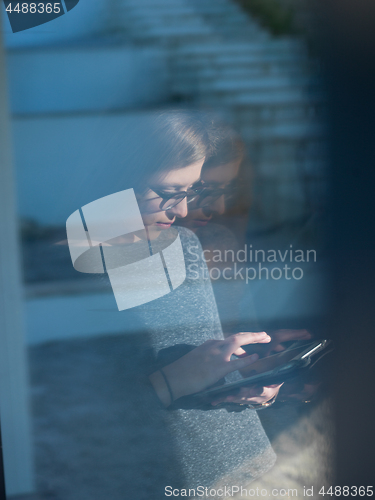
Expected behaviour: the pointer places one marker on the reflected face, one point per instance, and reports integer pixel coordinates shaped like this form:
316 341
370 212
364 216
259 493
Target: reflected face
221 177
171 183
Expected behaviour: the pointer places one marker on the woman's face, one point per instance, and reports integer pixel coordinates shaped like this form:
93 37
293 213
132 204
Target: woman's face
220 177
172 182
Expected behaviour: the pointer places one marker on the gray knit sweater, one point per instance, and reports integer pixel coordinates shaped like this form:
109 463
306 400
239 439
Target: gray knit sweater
214 447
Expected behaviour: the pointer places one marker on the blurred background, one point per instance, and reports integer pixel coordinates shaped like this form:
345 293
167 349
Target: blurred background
74 82
70 85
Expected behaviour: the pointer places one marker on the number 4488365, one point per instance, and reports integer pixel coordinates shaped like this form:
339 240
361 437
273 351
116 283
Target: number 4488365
34 8
346 491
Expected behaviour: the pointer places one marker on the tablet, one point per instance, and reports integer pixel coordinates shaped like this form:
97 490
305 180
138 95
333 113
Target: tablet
273 369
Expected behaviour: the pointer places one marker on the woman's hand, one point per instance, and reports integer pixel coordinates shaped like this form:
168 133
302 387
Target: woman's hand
277 344
251 395
205 365
285 335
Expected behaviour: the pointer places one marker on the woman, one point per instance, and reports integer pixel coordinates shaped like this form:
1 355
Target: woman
182 349
220 179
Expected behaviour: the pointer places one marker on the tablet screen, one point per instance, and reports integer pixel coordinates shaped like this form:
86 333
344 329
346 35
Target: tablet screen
269 363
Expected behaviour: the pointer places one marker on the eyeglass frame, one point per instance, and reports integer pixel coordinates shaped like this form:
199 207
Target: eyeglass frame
215 193
193 193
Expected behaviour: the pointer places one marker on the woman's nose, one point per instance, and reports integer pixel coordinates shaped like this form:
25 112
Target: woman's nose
218 206
180 210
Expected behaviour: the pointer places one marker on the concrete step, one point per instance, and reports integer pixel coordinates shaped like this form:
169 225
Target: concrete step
210 72
290 131
220 11
289 45
141 17
234 23
278 113
273 167
161 18
279 153
171 43
313 169
211 61
134 17
178 33
216 6
263 88
265 98
285 149
255 99
243 53
231 22
241 33
166 26
259 122
148 10
229 83
255 73
203 5
138 18
213 9
186 80
225 3
153 3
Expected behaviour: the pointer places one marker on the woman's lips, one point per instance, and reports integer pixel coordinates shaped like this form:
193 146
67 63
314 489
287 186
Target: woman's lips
201 222
163 224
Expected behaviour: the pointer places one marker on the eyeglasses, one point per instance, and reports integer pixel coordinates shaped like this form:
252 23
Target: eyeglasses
202 195
209 196
170 200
